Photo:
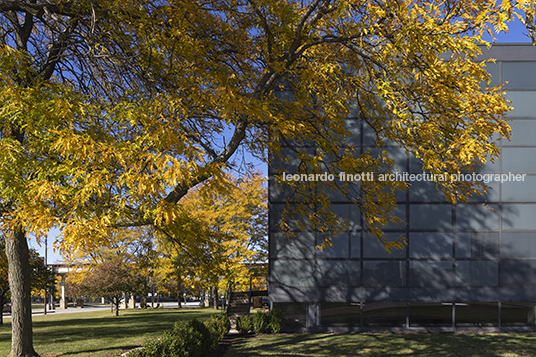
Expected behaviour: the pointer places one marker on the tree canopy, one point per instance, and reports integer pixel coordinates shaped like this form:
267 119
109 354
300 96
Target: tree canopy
135 117
113 111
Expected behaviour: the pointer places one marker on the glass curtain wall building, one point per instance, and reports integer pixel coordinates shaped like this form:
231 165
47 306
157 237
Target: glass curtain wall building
465 265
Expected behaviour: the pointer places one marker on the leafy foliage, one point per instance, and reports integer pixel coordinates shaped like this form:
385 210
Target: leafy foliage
164 110
188 338
277 320
218 325
172 92
221 234
244 324
261 322
110 279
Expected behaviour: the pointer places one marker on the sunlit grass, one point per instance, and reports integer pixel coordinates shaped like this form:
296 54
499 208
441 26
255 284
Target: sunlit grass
98 333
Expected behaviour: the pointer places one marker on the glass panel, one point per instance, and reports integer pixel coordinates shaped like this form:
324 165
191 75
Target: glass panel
523 103
298 273
348 213
384 314
430 217
288 160
430 245
400 212
430 314
384 273
518 160
354 273
518 216
492 194
518 272
477 273
338 250
372 248
338 191
395 153
519 191
430 274
295 313
355 245
518 313
425 191
523 132
477 245
293 219
331 273
300 246
519 74
477 314
340 314
369 137
415 165
477 217
355 215
279 192
518 245
493 69
354 127
489 167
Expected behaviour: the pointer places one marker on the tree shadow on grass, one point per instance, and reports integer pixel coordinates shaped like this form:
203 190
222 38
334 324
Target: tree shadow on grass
376 345
89 351
108 330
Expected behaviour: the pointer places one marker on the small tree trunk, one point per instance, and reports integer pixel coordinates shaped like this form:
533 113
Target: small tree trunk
179 295
116 301
2 303
19 282
216 297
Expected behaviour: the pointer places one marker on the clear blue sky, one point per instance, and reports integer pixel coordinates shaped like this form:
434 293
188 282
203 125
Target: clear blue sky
516 34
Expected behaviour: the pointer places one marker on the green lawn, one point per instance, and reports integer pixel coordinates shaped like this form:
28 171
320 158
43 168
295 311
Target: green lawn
98 334
386 344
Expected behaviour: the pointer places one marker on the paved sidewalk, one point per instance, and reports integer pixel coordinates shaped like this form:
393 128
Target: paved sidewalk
90 308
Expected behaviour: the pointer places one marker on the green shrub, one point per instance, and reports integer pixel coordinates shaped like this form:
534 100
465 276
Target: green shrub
277 320
140 352
244 324
261 321
218 325
187 339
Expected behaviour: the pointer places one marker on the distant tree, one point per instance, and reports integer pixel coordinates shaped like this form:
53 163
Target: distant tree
221 234
112 280
43 277
133 247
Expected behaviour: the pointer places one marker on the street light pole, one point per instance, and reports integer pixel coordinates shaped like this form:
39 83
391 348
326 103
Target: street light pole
46 246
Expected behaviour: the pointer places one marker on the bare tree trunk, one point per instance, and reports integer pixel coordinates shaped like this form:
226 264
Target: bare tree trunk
116 301
216 297
2 304
179 295
19 282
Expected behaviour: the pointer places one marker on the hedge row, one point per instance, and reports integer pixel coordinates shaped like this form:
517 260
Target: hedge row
189 338
262 322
